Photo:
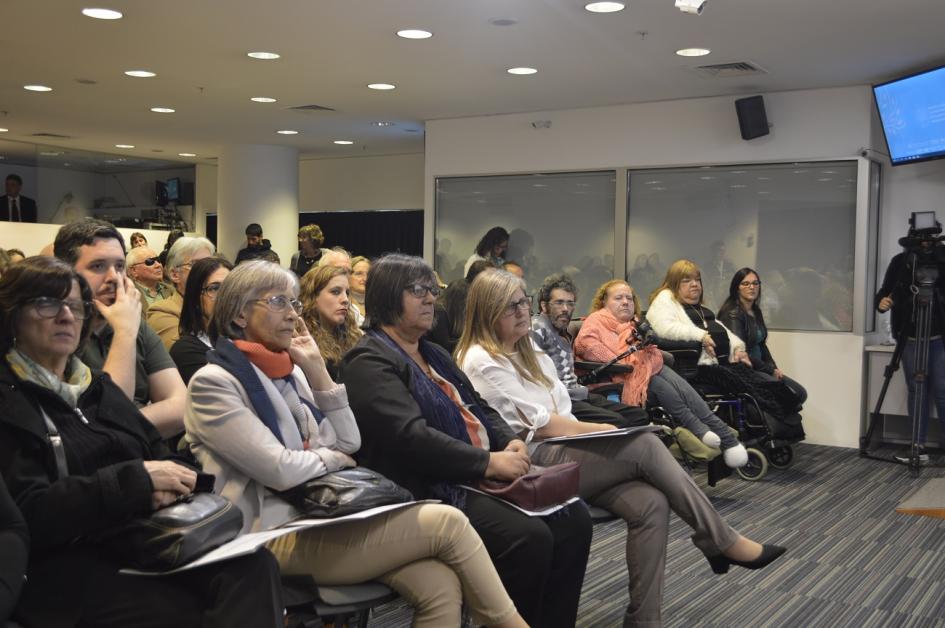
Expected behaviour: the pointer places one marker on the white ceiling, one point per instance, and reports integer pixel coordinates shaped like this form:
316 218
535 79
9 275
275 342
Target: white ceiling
331 49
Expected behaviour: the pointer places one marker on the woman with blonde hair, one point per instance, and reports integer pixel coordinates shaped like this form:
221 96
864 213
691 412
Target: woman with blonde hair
326 300
360 266
633 476
610 330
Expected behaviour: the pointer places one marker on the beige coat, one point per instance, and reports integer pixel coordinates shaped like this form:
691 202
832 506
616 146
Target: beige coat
164 318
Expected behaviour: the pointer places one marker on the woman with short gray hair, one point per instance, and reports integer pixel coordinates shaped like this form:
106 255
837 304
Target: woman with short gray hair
164 315
263 416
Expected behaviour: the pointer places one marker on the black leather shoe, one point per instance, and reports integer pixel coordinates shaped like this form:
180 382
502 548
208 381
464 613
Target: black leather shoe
769 553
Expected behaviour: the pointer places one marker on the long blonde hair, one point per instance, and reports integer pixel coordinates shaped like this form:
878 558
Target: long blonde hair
333 341
600 297
679 270
487 301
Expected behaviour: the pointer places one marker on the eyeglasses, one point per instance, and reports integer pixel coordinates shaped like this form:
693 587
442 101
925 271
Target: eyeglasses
50 307
148 261
420 290
211 290
281 303
525 303
749 284
563 303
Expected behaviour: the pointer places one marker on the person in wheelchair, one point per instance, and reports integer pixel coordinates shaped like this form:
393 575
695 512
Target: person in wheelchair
556 300
610 330
741 314
678 315
634 476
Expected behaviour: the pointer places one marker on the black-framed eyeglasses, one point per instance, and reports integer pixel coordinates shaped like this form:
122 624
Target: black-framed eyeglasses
525 303
148 261
749 284
50 307
420 290
211 289
281 303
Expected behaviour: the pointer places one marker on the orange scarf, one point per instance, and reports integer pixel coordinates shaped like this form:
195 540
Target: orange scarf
275 364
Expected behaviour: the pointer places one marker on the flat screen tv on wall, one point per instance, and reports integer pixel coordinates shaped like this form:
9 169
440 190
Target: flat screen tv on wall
912 111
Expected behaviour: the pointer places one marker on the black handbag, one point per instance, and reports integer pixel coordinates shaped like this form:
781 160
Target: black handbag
345 492
170 537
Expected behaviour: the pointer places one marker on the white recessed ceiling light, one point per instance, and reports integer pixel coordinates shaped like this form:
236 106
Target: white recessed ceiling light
265 56
262 99
522 71
162 110
124 145
344 142
102 14
3 130
186 154
414 33
382 124
693 52
140 73
605 7
37 88
287 132
382 86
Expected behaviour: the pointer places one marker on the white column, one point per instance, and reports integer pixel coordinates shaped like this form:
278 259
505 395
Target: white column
258 183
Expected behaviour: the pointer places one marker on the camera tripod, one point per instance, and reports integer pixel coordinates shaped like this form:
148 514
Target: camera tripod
923 291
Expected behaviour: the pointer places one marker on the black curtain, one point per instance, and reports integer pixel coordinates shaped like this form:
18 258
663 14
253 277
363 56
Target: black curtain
370 233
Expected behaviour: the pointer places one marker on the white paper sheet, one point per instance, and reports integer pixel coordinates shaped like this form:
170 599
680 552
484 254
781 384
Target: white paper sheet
605 434
530 513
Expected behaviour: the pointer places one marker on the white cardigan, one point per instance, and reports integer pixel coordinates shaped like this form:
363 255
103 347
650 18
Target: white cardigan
669 320
231 442
524 405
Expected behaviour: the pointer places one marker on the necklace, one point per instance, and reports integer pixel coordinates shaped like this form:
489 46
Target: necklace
698 310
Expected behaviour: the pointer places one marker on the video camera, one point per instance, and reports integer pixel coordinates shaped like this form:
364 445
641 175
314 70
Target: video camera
923 237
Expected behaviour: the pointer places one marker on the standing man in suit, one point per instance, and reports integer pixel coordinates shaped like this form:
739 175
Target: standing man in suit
14 207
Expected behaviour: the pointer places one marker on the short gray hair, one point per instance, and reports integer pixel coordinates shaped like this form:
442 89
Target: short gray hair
185 247
246 283
138 255
335 250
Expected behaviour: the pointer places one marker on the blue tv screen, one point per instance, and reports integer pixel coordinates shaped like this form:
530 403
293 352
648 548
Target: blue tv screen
912 110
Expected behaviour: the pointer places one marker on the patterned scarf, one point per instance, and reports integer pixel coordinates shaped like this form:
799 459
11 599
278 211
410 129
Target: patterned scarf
439 411
77 377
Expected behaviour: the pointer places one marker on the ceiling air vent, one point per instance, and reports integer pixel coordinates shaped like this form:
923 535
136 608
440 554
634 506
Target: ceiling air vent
727 70
311 108
53 135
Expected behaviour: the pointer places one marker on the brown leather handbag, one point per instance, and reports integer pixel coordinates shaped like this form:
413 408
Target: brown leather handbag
540 488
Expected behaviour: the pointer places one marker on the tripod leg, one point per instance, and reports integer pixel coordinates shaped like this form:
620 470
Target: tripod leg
876 414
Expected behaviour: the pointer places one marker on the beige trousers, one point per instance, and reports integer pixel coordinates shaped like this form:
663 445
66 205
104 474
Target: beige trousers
428 553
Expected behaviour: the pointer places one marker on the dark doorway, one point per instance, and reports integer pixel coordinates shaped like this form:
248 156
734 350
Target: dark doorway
370 233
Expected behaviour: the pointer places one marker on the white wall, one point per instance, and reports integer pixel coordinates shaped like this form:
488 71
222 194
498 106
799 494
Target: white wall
361 183
31 238
807 125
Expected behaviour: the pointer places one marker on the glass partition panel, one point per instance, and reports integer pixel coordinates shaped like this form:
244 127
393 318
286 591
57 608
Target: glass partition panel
793 223
556 222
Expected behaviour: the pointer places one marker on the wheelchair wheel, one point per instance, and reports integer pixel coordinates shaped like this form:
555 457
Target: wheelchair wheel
780 457
756 468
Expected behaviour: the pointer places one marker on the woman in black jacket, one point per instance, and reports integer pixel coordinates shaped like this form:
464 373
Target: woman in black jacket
741 314
117 468
425 427
14 547
189 352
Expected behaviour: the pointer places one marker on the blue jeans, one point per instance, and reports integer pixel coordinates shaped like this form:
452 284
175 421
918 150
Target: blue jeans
935 376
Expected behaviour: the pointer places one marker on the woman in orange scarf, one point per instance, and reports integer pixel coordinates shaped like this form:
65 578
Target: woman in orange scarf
609 330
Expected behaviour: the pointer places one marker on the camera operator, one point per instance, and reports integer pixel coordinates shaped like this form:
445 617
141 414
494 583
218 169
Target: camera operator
921 264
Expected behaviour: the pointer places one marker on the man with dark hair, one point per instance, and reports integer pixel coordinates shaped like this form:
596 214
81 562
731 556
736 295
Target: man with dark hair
131 353
13 206
556 301
256 245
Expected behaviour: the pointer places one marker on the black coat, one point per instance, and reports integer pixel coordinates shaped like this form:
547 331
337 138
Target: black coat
28 211
746 327
14 543
395 438
896 283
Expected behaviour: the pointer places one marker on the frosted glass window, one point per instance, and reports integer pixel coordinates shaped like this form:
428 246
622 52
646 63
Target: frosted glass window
793 223
557 222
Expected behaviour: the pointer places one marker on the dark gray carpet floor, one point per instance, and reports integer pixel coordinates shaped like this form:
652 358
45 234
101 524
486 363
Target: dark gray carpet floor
852 560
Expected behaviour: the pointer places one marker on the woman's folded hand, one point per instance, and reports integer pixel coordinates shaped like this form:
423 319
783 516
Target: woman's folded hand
170 477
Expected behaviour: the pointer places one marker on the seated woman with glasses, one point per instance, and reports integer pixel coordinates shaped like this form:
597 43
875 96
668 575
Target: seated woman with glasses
116 467
326 300
189 352
741 314
610 330
633 476
264 416
425 427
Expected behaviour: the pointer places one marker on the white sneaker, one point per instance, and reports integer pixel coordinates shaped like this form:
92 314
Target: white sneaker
905 459
735 456
712 439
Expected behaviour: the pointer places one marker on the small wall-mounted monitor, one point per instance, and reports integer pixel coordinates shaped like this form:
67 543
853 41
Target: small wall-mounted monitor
912 111
173 189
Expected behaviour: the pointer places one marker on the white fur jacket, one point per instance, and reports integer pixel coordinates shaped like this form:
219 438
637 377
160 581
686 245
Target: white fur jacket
670 321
